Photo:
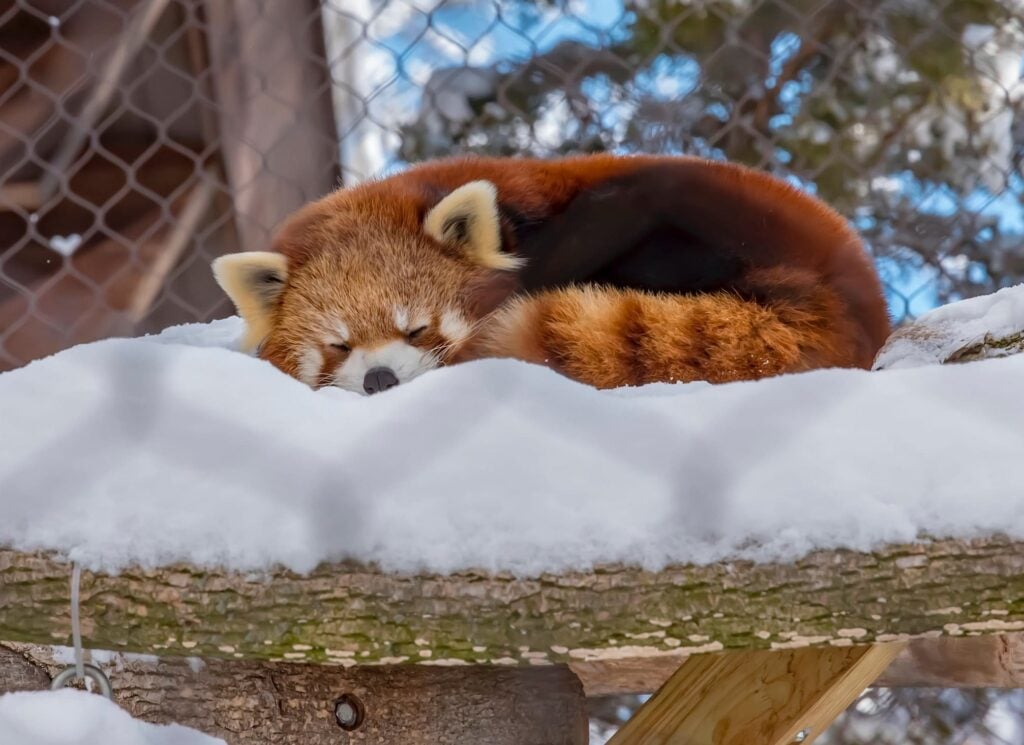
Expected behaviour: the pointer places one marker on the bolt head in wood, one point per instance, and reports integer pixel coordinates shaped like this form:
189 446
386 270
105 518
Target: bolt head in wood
348 711
801 735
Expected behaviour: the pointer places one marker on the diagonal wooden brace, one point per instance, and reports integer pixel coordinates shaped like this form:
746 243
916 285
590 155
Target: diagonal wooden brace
756 698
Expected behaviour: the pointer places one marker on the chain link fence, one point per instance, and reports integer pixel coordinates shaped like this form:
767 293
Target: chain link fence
140 139
883 716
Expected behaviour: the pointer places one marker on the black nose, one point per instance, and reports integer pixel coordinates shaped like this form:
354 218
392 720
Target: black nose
379 379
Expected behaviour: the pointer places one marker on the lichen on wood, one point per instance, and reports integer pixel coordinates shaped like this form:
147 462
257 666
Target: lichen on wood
990 347
348 614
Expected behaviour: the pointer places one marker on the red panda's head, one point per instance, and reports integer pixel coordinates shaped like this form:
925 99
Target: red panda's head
367 289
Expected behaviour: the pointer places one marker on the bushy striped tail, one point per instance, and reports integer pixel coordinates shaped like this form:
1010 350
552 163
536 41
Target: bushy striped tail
609 337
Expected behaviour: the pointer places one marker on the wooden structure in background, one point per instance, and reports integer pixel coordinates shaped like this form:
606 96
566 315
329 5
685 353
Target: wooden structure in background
163 135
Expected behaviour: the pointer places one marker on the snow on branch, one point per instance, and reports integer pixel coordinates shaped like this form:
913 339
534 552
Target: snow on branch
979 328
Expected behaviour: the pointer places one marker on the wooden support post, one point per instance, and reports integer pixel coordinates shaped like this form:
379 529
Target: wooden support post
273 88
756 698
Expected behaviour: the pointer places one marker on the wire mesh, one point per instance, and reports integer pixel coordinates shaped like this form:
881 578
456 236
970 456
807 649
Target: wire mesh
139 139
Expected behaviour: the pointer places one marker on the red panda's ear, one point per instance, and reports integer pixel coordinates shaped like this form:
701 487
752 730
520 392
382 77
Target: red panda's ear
468 219
253 280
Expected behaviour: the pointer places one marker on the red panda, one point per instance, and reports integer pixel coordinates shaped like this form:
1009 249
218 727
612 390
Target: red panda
613 270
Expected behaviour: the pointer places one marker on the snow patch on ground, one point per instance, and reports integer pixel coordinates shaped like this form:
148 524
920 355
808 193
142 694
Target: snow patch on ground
71 717
937 335
171 448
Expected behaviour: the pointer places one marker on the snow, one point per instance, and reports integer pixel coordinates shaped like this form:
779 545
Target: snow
937 335
174 448
72 717
109 660
103 657
65 245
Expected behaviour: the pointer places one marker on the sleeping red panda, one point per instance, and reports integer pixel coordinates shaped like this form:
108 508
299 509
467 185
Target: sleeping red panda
612 270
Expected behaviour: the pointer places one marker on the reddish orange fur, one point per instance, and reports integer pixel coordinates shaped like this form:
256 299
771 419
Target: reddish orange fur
819 300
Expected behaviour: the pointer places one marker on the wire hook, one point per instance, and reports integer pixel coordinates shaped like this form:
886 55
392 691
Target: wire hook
81 670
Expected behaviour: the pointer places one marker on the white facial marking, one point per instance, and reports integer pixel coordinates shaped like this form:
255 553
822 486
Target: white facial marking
341 329
401 318
311 362
454 327
404 360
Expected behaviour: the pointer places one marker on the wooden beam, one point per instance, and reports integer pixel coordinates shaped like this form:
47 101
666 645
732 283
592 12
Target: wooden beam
966 662
348 614
273 89
269 698
250 703
768 698
992 661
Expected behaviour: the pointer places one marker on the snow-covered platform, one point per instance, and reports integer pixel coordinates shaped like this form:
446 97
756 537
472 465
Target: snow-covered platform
497 516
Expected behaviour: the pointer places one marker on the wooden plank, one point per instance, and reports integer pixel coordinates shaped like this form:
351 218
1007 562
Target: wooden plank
995 661
968 662
284 703
345 611
991 661
756 698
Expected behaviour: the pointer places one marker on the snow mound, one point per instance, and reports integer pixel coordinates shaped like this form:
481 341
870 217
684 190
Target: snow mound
939 334
171 448
72 717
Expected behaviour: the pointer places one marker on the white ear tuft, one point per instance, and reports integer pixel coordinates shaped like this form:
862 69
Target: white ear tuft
253 280
468 218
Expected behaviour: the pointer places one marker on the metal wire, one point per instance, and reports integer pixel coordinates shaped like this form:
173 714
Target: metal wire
139 139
